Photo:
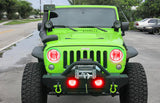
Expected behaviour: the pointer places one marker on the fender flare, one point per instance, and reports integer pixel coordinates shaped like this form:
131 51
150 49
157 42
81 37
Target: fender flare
38 52
131 52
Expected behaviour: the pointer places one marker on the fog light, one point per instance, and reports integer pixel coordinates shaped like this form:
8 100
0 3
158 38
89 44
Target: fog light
98 83
72 82
119 66
51 67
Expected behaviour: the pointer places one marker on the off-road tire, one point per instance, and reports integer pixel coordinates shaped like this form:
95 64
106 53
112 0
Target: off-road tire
136 91
32 89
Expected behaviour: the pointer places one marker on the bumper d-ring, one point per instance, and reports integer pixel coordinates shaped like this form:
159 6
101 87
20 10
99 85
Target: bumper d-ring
58 88
113 88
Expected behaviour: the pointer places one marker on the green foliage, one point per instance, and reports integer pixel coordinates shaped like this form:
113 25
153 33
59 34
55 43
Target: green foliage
13 22
13 7
150 8
24 9
131 26
36 12
2 21
3 7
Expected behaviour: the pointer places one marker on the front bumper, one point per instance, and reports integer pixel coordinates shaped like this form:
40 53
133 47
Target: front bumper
85 86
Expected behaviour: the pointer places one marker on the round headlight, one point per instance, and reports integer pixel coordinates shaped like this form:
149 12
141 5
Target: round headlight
116 55
53 56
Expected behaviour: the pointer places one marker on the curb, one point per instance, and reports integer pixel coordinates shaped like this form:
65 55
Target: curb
1 49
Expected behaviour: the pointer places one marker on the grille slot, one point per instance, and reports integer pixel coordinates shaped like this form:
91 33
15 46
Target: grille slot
84 54
64 59
71 57
78 55
99 56
105 59
92 55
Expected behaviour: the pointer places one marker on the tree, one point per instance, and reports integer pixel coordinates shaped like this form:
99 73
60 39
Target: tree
36 12
149 8
24 9
11 8
3 7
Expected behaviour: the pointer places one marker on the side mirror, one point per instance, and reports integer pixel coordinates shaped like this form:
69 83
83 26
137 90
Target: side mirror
39 26
124 27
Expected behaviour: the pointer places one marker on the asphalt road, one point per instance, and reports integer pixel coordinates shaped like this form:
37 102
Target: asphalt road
12 33
13 60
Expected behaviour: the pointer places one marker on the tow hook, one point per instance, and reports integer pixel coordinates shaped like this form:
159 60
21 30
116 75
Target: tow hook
113 89
58 89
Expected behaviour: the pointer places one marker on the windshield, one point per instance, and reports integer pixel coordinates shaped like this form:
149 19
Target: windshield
144 20
76 17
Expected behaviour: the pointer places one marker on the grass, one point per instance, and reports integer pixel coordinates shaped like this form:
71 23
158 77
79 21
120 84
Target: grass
2 21
22 21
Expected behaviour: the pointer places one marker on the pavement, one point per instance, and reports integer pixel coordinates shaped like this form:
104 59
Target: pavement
10 34
5 22
13 60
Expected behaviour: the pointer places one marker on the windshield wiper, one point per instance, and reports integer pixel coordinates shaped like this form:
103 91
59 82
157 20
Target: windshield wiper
63 26
71 28
93 27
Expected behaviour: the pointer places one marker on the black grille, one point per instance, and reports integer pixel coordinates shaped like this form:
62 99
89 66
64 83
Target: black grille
99 56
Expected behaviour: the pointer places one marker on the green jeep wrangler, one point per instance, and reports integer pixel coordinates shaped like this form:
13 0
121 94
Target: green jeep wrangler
83 54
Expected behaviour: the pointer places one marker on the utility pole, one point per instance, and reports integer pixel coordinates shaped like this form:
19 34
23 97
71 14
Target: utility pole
40 9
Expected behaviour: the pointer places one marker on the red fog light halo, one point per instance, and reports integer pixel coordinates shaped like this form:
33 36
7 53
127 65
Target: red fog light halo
72 82
98 83
53 56
116 55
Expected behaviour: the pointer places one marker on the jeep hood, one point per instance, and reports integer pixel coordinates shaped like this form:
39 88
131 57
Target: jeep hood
89 38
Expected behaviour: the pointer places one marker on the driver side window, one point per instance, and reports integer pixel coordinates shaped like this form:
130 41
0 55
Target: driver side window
153 21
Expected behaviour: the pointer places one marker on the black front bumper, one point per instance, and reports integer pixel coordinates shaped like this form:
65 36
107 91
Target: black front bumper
85 87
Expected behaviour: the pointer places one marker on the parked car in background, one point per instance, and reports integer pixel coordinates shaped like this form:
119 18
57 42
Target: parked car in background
140 25
31 17
37 16
154 29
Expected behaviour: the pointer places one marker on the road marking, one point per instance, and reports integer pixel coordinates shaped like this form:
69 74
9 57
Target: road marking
15 42
6 31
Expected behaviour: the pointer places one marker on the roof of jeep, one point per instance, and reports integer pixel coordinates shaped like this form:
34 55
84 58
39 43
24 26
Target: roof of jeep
87 6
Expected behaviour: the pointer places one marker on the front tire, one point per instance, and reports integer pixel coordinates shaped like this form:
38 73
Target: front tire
33 90
156 31
136 90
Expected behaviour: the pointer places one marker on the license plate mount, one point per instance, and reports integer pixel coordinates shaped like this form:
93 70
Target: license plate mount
85 73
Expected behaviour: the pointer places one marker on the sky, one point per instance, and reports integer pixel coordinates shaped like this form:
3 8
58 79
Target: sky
36 3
